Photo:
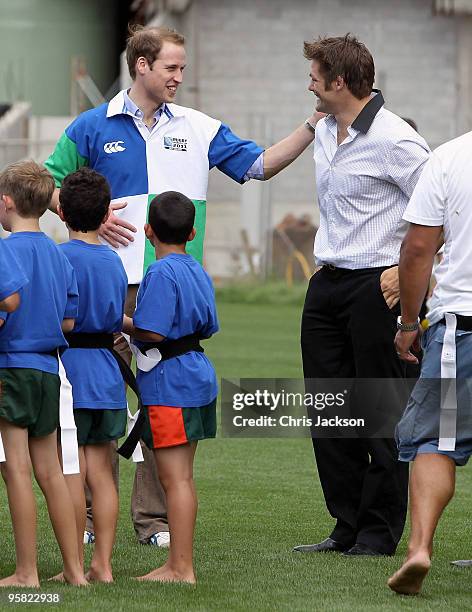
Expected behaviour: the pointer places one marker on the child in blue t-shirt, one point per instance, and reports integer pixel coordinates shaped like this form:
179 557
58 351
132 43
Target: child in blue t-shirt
98 390
175 308
29 401
12 279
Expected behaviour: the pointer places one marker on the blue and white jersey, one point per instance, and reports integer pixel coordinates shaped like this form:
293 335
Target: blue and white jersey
139 164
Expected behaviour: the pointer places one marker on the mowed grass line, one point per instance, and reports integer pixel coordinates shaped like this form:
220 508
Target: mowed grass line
258 498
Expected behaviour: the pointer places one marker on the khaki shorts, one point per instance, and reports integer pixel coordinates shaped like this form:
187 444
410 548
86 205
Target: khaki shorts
30 399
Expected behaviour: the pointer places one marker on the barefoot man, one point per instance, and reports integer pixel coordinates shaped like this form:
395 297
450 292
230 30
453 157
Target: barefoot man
427 431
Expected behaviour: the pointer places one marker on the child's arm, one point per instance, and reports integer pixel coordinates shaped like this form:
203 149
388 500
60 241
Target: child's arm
67 325
72 304
140 334
10 303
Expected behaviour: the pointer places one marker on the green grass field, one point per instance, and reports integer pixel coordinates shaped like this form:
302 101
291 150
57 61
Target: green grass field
258 498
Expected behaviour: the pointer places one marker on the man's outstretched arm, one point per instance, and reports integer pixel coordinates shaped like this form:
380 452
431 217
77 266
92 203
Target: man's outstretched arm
283 153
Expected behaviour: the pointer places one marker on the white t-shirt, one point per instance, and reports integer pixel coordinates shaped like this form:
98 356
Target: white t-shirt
443 196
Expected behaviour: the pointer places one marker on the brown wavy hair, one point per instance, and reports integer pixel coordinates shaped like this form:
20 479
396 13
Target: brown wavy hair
343 56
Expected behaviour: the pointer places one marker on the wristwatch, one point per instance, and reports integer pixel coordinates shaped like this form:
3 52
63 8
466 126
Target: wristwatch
407 327
310 127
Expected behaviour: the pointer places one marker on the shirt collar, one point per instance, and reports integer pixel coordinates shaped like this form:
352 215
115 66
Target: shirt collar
122 104
364 119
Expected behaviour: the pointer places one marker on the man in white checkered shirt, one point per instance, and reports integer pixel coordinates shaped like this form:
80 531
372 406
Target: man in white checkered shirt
367 162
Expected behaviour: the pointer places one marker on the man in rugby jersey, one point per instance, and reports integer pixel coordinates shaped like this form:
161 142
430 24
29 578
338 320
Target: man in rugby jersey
144 144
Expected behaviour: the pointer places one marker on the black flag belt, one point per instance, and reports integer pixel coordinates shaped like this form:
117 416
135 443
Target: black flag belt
167 349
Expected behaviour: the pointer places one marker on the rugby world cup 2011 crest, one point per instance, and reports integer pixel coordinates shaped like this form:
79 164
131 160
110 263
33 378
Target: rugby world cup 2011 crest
175 144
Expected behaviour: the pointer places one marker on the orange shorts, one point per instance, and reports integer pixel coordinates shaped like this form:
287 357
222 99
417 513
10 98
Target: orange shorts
172 426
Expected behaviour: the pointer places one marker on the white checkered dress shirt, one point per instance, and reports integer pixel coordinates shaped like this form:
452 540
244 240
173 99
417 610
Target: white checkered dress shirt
364 186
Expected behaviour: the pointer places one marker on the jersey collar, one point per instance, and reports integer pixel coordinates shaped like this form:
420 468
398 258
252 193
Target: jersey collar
117 106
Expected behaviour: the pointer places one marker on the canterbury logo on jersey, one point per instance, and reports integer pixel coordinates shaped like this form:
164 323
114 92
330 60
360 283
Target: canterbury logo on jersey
114 147
175 144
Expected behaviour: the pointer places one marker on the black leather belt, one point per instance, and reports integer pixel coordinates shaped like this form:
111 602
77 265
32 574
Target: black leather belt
463 323
336 272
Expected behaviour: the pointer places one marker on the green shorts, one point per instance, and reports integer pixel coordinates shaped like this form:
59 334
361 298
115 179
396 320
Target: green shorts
98 425
30 399
171 426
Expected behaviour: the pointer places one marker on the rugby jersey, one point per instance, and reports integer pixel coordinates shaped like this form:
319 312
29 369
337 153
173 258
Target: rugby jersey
176 155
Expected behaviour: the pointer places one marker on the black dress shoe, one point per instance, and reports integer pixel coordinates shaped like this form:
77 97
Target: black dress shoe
328 545
462 563
360 550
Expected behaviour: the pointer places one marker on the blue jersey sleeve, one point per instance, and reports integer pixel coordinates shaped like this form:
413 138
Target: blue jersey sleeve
212 325
231 154
72 305
12 277
156 304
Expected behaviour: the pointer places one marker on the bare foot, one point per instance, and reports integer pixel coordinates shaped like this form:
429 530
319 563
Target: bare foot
409 578
57 578
15 580
95 575
77 579
165 574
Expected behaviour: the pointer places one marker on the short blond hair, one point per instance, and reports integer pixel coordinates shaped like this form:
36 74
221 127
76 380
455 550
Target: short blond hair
147 42
29 185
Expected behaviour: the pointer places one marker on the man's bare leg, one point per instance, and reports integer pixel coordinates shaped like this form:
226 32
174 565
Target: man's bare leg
99 476
48 472
175 466
432 485
16 473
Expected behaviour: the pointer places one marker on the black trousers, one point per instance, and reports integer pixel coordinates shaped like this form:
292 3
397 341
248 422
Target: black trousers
348 331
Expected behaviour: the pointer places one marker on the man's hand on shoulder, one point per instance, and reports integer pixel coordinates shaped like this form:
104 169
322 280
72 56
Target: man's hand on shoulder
390 286
115 230
316 117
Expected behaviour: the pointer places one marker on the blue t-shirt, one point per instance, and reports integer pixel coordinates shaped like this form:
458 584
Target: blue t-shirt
176 299
12 277
34 329
93 373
